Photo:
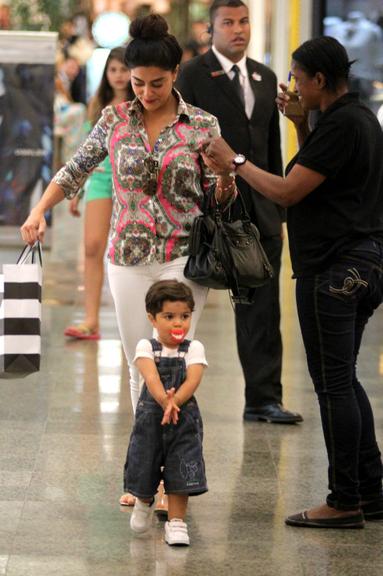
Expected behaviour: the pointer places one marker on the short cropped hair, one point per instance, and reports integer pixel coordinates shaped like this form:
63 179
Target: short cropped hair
326 55
223 4
167 290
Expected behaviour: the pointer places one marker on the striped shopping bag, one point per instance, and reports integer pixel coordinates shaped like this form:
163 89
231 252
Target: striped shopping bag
20 314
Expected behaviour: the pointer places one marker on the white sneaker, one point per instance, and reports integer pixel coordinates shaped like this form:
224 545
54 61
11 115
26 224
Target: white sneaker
176 533
142 515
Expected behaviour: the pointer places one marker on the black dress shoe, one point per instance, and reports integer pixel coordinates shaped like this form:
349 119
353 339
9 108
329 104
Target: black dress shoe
274 413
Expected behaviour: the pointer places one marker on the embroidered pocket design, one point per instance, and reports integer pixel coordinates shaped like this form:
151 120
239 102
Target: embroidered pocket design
189 472
350 284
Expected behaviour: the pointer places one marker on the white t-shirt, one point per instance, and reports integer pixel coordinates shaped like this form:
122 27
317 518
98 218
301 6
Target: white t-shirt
195 354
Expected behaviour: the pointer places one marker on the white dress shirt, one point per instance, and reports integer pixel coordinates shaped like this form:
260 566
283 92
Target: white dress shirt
243 78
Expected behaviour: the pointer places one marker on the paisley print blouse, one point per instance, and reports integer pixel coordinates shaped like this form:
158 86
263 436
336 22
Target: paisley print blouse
156 193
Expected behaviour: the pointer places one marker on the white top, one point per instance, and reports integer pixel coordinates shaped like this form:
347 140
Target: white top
195 354
243 78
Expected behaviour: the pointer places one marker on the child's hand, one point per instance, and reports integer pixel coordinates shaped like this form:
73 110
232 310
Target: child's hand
170 408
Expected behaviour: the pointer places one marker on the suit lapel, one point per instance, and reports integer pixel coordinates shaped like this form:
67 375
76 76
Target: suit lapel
221 79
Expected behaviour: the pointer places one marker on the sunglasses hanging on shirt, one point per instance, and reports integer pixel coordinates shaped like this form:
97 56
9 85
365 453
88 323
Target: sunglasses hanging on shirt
150 176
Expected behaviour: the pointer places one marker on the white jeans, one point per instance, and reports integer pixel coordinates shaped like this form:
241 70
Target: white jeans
129 285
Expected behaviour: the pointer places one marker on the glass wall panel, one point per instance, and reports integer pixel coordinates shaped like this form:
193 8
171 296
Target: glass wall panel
358 25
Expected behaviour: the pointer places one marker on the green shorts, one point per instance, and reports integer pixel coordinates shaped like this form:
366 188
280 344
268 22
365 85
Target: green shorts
99 184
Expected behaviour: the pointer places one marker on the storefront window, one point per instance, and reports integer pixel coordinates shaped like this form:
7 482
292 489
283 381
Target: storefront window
358 25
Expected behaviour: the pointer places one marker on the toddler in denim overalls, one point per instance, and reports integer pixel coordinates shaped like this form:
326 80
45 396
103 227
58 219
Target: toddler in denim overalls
166 441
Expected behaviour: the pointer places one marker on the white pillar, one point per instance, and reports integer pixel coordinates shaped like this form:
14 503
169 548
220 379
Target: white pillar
257 11
288 33
306 21
283 30
280 57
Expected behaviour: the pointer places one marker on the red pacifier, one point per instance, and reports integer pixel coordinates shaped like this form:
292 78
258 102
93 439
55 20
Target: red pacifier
177 335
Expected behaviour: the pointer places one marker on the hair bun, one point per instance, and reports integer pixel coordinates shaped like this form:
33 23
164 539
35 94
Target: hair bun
152 27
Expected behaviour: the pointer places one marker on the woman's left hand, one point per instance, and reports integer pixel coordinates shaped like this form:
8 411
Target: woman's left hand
34 227
73 206
218 156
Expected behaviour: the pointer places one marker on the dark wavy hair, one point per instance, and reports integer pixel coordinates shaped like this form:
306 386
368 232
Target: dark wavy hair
152 45
167 290
105 94
326 55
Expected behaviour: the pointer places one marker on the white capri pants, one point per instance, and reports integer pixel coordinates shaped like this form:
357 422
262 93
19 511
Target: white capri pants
129 285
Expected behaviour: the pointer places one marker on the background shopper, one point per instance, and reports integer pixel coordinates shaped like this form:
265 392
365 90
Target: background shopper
113 90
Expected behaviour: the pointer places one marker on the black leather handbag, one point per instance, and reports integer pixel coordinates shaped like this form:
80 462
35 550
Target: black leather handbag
227 254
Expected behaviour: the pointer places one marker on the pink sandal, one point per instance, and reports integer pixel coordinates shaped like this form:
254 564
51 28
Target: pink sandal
82 332
161 508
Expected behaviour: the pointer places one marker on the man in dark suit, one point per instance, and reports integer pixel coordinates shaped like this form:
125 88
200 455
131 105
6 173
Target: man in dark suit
241 93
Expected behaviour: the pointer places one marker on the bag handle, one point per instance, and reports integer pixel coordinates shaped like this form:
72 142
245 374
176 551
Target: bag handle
28 251
243 206
207 200
208 204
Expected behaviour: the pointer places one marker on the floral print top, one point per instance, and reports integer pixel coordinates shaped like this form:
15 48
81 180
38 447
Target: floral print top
156 193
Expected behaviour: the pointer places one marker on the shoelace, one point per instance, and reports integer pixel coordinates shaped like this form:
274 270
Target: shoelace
177 524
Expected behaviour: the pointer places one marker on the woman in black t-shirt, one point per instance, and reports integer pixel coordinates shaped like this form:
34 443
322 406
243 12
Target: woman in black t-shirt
334 194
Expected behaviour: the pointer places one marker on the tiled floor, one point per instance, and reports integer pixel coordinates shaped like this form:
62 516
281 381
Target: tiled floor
64 433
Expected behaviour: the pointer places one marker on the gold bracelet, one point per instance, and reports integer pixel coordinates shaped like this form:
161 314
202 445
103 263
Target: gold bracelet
222 192
227 188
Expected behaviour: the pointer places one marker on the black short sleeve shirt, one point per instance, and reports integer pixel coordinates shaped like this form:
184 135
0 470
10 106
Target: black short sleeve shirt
346 146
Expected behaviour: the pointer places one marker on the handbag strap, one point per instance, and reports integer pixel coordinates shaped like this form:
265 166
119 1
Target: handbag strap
28 251
217 207
207 200
245 214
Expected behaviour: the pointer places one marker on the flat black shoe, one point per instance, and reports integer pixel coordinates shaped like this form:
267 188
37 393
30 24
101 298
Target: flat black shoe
301 521
373 510
274 413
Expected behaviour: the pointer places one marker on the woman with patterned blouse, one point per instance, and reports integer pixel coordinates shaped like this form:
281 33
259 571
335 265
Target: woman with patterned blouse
159 180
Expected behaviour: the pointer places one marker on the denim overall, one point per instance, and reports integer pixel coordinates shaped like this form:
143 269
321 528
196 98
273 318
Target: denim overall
172 452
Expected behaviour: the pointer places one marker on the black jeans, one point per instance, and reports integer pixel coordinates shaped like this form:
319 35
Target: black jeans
334 307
